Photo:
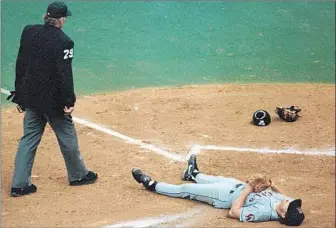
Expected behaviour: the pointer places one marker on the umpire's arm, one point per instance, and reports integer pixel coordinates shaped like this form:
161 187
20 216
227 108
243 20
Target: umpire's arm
64 56
21 60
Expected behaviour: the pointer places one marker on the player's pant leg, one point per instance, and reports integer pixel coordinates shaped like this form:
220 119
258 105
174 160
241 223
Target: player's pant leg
216 194
33 129
202 178
66 134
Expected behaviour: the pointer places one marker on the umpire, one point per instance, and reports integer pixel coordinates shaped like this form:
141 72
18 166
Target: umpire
44 90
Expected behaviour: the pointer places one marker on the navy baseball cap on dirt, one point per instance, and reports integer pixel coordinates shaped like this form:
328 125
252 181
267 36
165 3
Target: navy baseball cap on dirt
58 9
294 215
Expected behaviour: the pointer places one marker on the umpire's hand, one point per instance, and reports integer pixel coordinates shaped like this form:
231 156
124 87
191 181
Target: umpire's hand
68 111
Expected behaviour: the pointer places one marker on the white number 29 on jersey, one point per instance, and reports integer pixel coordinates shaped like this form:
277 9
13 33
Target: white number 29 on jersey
68 53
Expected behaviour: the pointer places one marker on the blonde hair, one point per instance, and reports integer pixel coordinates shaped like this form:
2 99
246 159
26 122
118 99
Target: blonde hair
259 178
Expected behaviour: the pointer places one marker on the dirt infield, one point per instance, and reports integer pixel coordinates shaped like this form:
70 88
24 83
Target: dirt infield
176 118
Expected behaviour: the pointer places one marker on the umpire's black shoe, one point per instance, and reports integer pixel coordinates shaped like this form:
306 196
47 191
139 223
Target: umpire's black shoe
90 178
144 179
16 192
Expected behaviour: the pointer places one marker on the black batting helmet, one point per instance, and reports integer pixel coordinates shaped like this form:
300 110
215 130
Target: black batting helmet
261 118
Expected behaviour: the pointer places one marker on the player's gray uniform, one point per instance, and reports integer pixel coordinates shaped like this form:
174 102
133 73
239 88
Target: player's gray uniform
221 192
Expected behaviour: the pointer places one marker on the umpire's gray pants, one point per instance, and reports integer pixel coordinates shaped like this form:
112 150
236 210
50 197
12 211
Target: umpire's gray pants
33 128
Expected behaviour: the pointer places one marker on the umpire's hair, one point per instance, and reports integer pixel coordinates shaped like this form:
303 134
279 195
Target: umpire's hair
50 20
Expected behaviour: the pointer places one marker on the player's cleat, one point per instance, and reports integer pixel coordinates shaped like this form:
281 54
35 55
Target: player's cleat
143 179
16 192
192 169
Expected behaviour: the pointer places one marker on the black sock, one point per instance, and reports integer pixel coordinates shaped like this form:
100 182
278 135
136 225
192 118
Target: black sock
151 186
195 173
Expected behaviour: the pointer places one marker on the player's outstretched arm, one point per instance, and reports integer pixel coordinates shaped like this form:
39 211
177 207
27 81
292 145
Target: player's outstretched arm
239 202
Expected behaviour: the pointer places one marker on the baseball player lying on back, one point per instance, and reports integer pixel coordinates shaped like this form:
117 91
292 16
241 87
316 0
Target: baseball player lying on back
249 201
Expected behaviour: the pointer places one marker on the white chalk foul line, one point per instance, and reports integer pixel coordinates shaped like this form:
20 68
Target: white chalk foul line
195 149
138 142
154 221
148 146
317 152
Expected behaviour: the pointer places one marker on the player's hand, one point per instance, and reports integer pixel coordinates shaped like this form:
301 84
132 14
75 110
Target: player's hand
68 111
259 182
258 187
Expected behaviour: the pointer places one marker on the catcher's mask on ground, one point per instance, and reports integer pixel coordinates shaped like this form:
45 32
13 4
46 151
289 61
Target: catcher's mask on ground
261 118
294 215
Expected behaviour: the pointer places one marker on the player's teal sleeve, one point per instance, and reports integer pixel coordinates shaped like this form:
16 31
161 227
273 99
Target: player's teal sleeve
255 213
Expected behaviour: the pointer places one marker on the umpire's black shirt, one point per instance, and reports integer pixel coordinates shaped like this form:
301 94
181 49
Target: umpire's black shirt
44 80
